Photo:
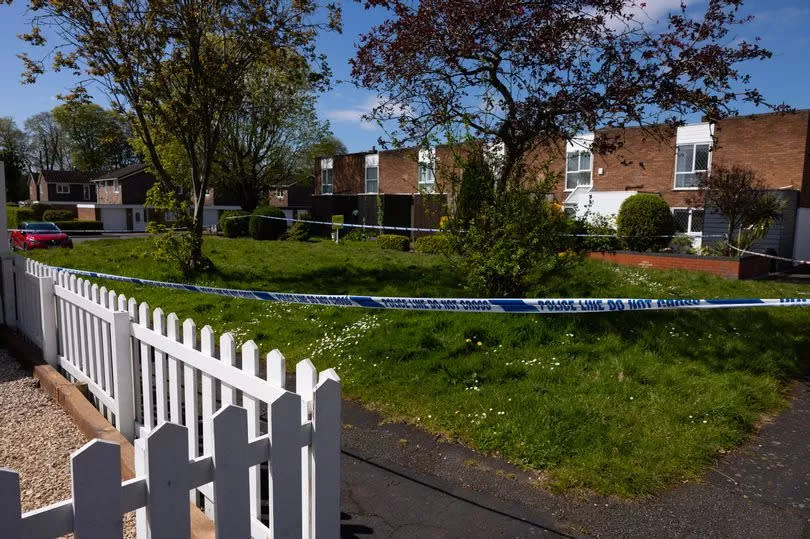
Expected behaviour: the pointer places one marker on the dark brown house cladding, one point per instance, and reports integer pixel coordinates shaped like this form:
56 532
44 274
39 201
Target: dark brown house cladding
61 187
126 185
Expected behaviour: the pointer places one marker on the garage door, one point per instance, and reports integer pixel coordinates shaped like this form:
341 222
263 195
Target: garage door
114 218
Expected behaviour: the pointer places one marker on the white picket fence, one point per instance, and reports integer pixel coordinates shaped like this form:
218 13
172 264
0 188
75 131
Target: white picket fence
143 370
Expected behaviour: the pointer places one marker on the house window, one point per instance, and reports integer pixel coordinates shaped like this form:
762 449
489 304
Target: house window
427 172
86 192
116 186
372 173
62 188
577 169
688 221
326 176
692 161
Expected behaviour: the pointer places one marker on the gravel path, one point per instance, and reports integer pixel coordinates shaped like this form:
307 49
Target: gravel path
36 439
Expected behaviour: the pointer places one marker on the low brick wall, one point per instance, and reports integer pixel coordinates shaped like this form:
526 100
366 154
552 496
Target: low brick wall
746 267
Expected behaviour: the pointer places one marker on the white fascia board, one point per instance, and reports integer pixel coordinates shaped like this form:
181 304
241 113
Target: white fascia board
579 143
695 134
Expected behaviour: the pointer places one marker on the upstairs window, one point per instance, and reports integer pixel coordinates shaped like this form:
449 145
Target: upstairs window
692 161
63 188
427 172
577 169
372 173
326 176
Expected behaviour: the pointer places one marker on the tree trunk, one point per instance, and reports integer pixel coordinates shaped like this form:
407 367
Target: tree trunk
196 258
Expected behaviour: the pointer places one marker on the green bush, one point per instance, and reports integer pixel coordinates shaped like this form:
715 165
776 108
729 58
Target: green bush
393 241
57 215
39 210
300 231
79 225
266 229
432 244
17 216
645 223
598 233
359 234
234 228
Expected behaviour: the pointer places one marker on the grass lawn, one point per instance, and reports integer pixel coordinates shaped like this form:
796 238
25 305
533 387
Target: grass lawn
623 404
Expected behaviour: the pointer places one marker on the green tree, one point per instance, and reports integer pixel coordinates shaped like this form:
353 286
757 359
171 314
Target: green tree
13 155
97 139
175 67
266 140
47 143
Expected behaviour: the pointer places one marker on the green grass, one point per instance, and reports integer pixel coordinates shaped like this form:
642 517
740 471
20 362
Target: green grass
623 404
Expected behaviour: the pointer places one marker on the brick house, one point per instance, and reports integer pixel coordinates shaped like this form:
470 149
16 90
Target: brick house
401 182
122 198
62 188
776 146
293 199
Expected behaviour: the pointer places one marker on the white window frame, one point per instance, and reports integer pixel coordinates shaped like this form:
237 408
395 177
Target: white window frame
689 231
579 144
326 173
86 191
62 188
372 163
427 167
694 146
117 186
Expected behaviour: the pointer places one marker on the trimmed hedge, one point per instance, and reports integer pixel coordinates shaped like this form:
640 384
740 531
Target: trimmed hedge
641 218
434 244
234 228
16 216
266 229
40 208
393 241
78 226
57 215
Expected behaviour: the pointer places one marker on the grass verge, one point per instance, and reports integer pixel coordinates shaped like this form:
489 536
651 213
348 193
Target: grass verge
623 404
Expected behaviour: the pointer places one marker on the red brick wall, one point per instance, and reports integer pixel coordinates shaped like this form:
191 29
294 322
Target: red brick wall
107 194
773 145
89 214
730 268
399 171
348 173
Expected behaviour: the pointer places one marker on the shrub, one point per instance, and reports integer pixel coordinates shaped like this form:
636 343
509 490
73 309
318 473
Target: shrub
300 231
266 229
16 216
432 244
79 225
57 215
393 241
682 245
234 228
645 223
39 209
359 234
599 234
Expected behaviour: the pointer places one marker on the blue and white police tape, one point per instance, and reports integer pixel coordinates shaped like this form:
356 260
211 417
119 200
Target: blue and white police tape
765 255
470 305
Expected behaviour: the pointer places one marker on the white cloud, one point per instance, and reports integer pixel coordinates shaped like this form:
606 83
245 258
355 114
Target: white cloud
354 114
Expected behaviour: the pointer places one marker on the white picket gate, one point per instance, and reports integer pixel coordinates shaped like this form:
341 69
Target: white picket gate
143 369
160 491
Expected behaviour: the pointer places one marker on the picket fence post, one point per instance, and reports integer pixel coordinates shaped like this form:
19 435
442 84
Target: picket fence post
122 374
7 267
326 430
47 311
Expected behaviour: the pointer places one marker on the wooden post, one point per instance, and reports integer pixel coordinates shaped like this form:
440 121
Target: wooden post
7 266
122 374
285 465
231 488
326 456
47 311
306 377
168 478
96 471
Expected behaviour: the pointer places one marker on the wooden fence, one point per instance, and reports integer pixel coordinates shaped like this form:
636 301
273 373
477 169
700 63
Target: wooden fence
144 369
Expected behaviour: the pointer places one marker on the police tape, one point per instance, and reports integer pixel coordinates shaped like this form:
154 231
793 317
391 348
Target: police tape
348 225
765 255
469 305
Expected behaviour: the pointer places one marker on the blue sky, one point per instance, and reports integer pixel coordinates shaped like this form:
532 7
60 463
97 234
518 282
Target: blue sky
782 25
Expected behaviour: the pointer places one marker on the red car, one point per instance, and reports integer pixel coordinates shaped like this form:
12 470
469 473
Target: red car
39 236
